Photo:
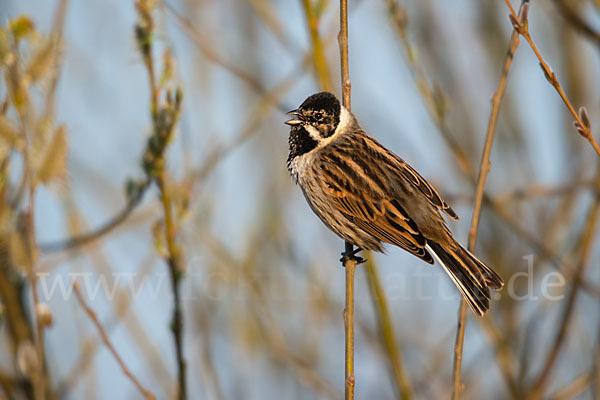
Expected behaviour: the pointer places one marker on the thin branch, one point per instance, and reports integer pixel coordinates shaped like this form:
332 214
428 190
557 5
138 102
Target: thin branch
431 95
538 246
575 388
343 42
107 227
596 366
165 115
94 318
581 123
207 50
505 358
175 271
577 22
270 97
40 386
256 117
386 329
271 332
319 60
458 350
277 27
484 168
350 380
349 261
27 228
587 241
538 190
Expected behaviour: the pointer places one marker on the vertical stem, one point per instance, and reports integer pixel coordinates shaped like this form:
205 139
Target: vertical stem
343 42
29 178
349 326
403 387
175 273
458 349
40 386
585 131
349 263
586 239
484 169
319 60
164 118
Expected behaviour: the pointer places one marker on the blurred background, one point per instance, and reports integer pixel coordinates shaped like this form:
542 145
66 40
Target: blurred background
90 162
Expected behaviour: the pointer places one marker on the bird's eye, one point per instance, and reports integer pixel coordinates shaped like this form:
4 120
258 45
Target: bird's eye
318 116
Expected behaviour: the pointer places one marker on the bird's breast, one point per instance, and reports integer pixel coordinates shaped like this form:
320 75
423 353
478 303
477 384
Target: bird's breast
300 167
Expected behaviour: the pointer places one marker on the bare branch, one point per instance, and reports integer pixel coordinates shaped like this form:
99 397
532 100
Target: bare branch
484 168
94 318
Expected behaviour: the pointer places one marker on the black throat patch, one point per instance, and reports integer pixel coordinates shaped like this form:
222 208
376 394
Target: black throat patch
300 142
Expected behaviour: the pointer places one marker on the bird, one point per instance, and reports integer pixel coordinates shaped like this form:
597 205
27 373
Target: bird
370 197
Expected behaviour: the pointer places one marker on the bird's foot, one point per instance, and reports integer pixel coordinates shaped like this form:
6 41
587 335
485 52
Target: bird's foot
351 256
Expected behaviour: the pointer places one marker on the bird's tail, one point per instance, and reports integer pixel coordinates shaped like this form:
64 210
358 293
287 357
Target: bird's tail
471 276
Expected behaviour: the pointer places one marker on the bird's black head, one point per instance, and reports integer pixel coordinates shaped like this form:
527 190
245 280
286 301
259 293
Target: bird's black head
316 120
319 115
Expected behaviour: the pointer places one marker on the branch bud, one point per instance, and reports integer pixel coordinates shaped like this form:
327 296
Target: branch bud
515 23
584 117
583 131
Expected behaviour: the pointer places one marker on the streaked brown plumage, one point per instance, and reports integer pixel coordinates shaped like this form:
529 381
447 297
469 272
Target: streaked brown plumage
369 196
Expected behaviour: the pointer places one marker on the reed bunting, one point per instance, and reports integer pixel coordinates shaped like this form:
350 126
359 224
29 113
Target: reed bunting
369 196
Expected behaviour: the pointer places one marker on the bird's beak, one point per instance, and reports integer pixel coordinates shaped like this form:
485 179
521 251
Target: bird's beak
293 121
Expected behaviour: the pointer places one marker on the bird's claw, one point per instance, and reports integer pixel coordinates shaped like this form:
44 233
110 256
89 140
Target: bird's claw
352 257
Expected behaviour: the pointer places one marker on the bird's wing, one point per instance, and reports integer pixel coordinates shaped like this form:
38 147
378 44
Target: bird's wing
401 169
428 190
381 217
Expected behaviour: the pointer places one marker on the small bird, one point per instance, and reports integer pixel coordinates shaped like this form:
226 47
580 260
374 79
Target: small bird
369 196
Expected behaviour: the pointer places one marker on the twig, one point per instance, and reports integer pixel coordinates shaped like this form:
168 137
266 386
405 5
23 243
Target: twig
28 229
164 119
538 246
176 273
581 121
319 60
484 168
119 317
577 21
92 315
107 227
270 330
575 388
587 241
272 96
258 114
505 358
8 383
537 190
431 95
134 197
528 193
467 168
40 385
343 42
350 381
458 349
349 261
596 367
206 48
271 21
386 329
